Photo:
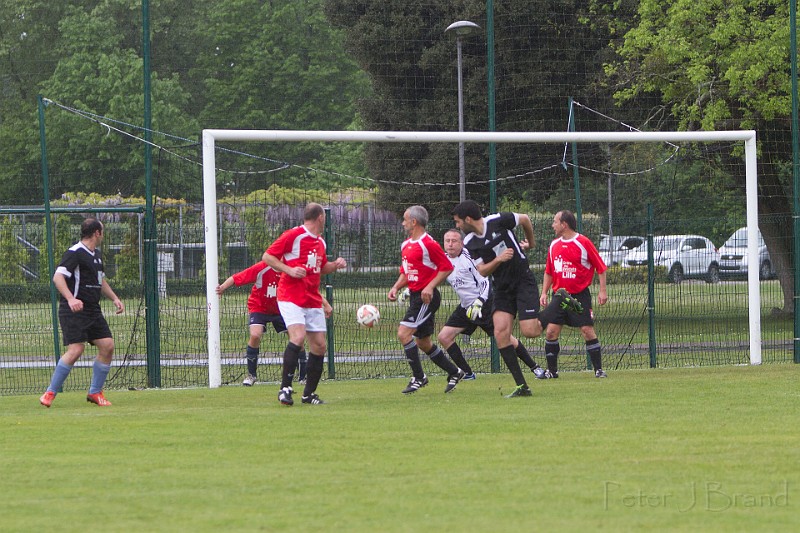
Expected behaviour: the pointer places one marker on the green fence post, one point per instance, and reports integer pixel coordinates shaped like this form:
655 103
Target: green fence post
651 290
49 231
331 338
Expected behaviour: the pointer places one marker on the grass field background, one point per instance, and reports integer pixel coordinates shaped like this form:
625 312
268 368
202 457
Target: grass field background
672 449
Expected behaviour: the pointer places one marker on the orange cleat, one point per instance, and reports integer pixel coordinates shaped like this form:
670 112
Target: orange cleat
47 398
98 399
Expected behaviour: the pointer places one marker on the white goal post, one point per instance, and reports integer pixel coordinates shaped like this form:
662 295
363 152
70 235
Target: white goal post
211 136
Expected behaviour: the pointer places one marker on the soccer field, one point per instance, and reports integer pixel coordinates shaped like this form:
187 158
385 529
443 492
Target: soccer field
676 449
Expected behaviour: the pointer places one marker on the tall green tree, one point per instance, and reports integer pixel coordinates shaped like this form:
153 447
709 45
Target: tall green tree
718 65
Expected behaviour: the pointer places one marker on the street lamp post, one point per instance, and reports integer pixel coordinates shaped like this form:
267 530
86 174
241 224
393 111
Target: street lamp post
461 29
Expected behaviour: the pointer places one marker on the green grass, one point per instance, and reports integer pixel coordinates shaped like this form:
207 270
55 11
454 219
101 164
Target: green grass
676 449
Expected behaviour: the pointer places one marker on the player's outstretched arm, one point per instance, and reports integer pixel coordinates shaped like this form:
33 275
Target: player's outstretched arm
227 284
401 282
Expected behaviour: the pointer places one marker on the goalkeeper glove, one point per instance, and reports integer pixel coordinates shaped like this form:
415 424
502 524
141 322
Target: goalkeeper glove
404 294
475 311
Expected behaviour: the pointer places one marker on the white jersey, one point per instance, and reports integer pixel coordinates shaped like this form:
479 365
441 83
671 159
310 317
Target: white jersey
466 280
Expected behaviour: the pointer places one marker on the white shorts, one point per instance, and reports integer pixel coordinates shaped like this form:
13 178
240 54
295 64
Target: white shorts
313 318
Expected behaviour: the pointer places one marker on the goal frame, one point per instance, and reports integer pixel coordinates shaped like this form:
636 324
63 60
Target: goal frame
211 136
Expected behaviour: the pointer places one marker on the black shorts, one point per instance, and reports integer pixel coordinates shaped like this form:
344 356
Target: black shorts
421 316
262 319
87 325
458 319
523 300
568 318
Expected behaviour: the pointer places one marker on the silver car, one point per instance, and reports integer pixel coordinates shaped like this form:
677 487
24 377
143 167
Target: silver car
684 256
733 260
614 249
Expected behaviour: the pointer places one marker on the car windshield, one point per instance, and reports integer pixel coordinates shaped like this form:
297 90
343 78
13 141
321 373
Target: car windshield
606 243
739 239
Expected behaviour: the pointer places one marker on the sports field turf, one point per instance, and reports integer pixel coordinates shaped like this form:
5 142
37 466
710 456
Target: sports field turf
704 449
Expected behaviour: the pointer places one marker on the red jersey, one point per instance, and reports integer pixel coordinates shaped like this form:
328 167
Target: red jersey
422 260
572 263
265 288
298 247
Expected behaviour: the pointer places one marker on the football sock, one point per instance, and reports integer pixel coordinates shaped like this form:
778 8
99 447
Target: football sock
290 356
315 366
441 360
524 356
59 376
99 375
412 355
252 360
509 355
551 349
455 353
301 365
594 349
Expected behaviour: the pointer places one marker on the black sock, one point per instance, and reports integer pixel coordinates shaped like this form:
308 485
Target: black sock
551 349
412 356
455 353
301 365
252 360
290 356
509 355
440 359
315 366
594 350
524 356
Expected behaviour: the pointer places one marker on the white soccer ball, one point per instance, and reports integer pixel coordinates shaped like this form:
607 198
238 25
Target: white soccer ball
368 315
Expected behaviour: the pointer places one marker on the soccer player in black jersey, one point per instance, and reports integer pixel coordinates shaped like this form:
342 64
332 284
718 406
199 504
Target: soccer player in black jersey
80 279
493 246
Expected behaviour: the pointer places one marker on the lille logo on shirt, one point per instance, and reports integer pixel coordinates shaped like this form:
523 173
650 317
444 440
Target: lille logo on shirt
565 270
312 263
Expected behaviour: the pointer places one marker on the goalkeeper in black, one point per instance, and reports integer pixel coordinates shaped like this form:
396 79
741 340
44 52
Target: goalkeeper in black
475 308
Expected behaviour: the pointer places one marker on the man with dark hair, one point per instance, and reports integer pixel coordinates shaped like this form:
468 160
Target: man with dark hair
475 307
80 279
299 254
494 248
572 260
424 267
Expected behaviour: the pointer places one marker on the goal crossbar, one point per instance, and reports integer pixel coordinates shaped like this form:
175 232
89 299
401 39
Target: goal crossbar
211 136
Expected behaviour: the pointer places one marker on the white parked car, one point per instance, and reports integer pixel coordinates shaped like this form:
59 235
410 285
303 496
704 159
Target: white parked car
733 260
684 256
614 249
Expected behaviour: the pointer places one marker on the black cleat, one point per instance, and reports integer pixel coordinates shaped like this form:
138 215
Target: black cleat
521 390
415 384
285 396
569 303
312 399
453 380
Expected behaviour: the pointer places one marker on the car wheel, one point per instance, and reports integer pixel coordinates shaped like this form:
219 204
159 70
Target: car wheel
676 274
765 271
712 276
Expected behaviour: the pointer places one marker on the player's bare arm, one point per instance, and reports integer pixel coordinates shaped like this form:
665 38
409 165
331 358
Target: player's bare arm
427 292
108 292
402 282
227 284
280 266
527 228
547 282
602 295
486 269
333 266
61 285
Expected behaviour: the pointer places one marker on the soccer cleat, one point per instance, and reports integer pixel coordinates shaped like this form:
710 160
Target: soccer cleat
550 374
539 372
453 380
249 381
569 303
521 390
469 377
600 374
285 396
98 399
47 398
415 384
312 399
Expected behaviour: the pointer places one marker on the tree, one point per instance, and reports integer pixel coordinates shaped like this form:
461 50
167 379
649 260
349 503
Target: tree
721 65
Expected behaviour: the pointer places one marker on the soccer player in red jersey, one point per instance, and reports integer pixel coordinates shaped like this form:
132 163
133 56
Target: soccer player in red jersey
424 267
572 261
299 254
262 304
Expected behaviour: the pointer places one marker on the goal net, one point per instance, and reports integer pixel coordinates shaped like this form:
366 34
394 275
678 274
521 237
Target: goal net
625 336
